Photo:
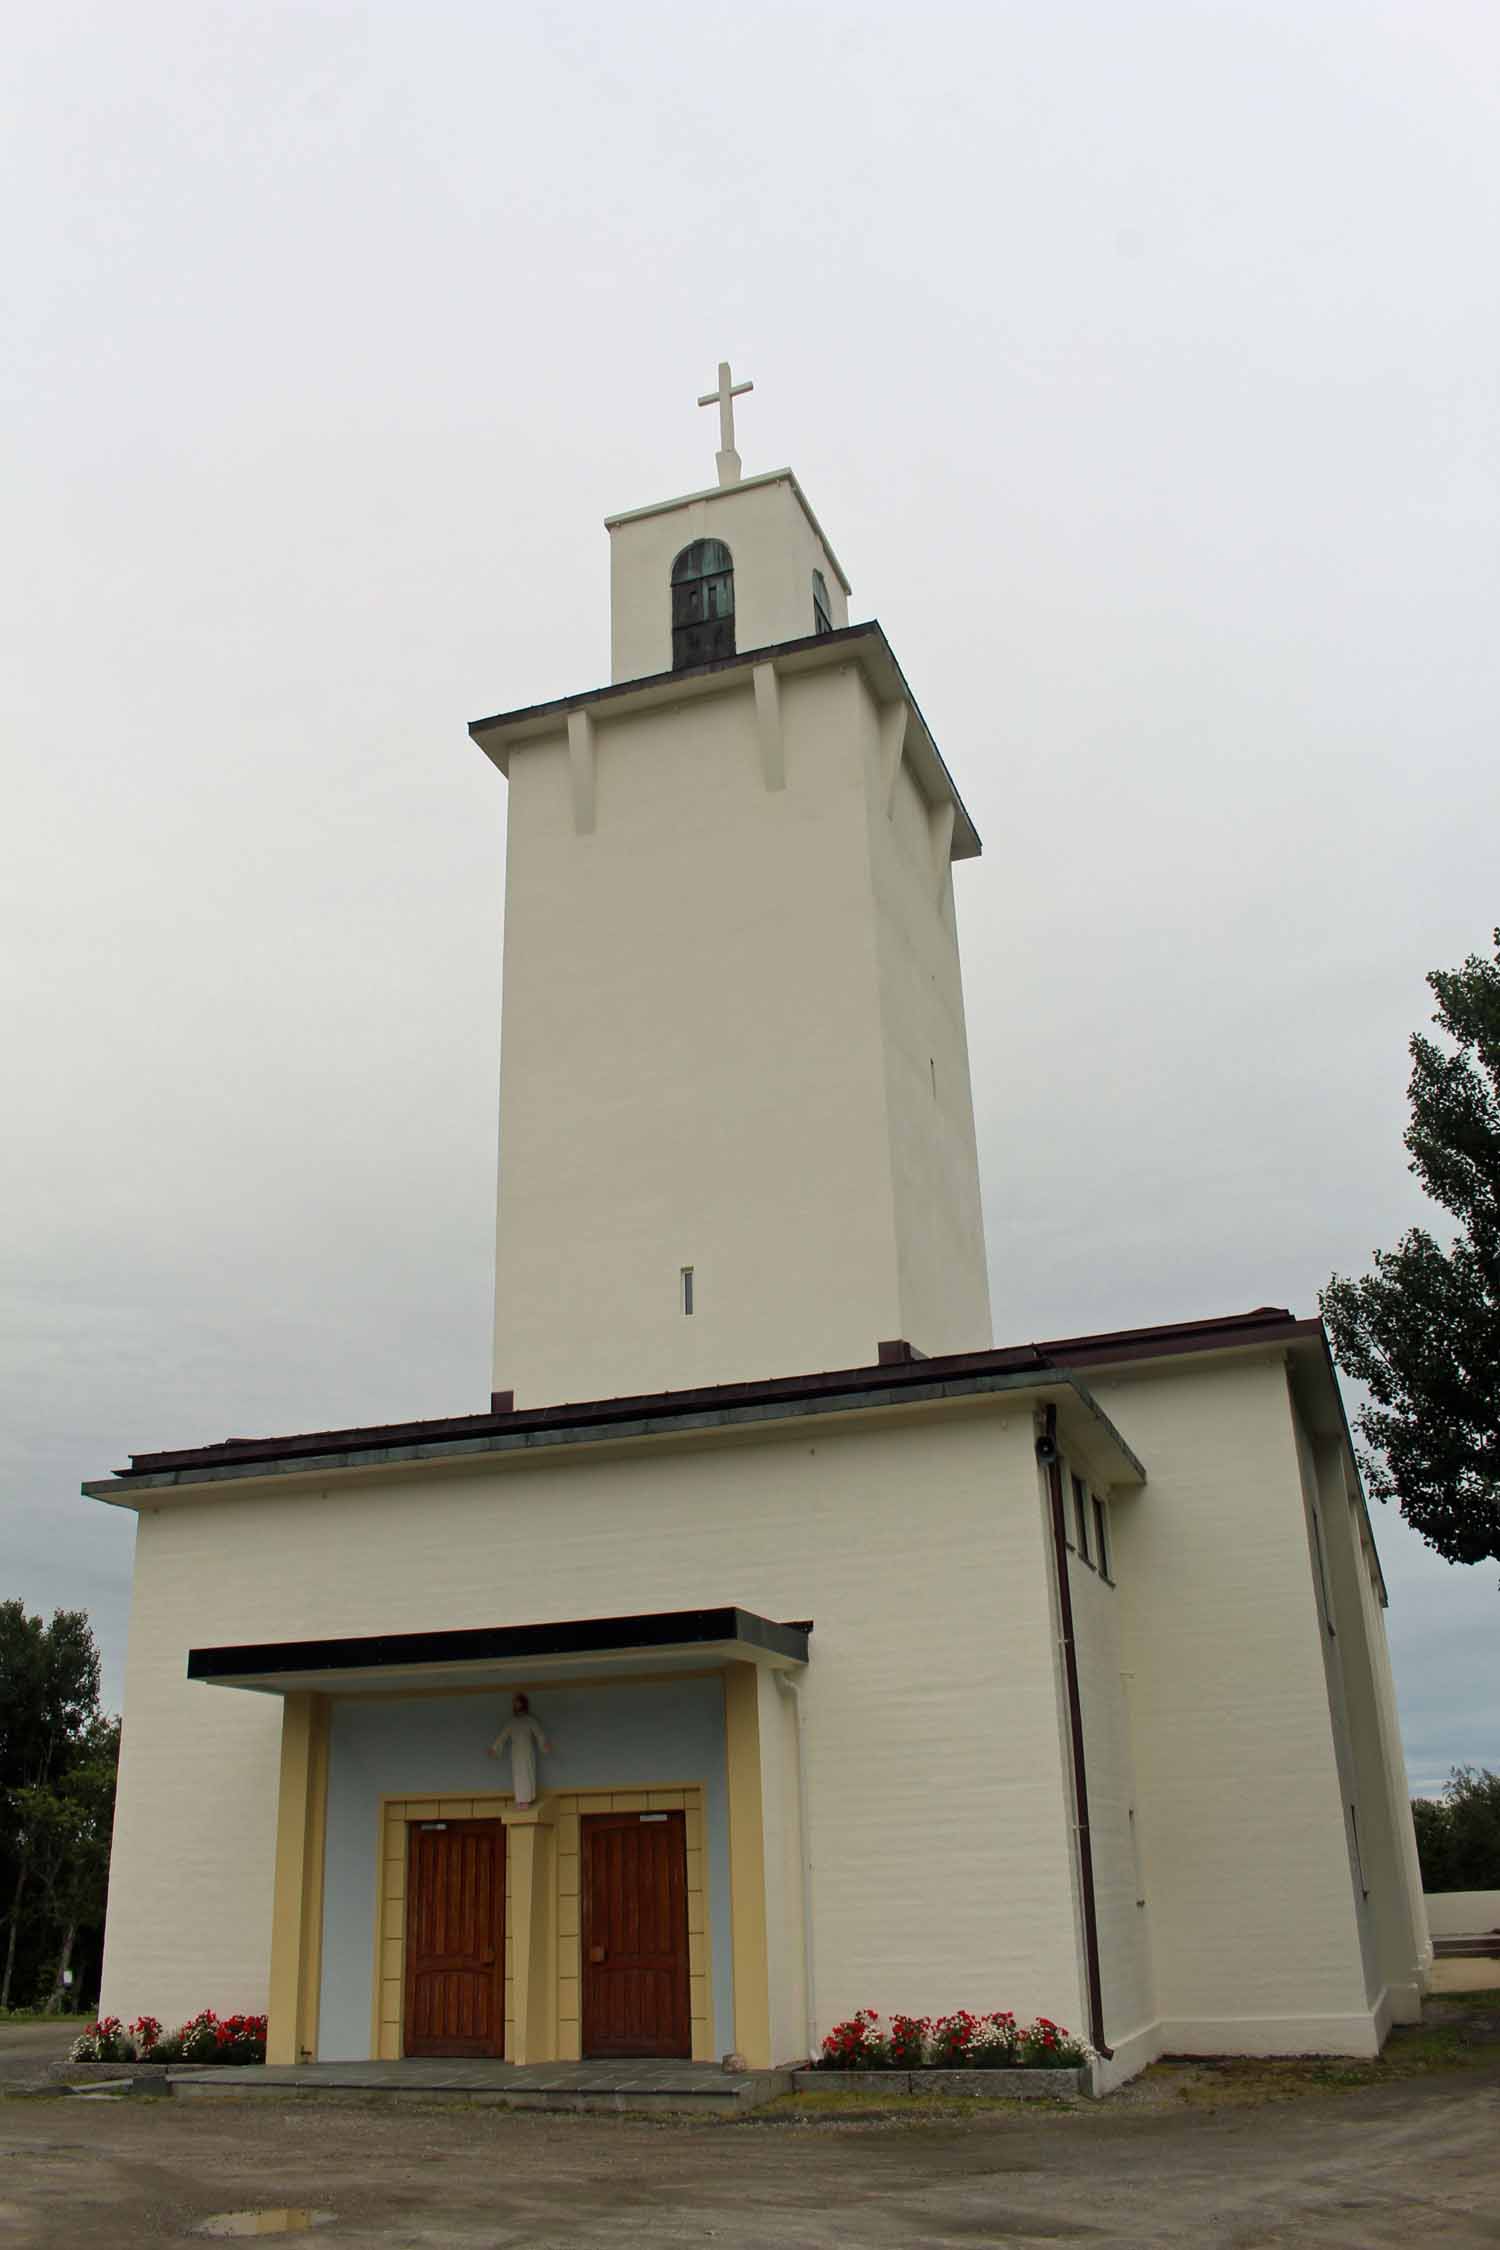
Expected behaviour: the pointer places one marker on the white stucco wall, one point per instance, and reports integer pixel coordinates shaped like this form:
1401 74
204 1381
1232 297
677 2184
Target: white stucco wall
938 1817
775 546
1364 1831
1372 1766
1124 1931
1463 1913
1240 1814
942 1281
719 1011
193 1857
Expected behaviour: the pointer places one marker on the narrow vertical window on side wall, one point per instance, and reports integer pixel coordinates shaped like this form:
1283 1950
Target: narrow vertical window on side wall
1081 1516
1359 1857
1101 1539
1317 1532
702 604
822 614
687 1289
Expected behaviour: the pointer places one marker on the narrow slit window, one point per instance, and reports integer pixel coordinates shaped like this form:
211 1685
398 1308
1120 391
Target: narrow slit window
1081 1517
822 614
1101 1538
1322 1560
687 1289
1359 1857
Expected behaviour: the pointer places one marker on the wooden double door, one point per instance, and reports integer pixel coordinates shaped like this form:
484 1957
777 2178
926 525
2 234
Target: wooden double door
636 1997
455 1938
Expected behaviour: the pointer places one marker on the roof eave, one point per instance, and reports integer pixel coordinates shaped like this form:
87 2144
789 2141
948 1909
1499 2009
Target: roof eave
494 1445
811 652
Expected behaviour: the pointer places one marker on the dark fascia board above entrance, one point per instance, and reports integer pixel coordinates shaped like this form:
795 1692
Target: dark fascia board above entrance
865 644
371 1662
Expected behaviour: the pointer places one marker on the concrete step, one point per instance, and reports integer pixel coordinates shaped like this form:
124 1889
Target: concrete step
683 2088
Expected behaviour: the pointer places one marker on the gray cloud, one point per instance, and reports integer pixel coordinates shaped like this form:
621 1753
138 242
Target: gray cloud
1140 363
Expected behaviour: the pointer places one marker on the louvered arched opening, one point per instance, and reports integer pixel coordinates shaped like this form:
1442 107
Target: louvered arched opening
702 604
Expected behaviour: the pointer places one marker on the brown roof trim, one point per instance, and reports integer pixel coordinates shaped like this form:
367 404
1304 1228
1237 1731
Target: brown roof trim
1267 1325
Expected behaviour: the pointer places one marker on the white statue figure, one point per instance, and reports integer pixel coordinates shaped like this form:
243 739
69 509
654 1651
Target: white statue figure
524 1738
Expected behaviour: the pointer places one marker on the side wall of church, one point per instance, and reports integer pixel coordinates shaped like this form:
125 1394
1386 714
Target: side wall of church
1125 1970
938 1824
1251 1908
193 1861
934 1160
1384 1841
691 1072
1362 1814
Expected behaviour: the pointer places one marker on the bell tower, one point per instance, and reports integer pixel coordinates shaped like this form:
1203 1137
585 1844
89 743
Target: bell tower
736 1129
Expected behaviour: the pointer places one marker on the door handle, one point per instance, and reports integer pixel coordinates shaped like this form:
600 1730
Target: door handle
486 1960
597 1953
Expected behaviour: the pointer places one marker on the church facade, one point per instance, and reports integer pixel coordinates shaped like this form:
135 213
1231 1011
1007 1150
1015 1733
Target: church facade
774 1645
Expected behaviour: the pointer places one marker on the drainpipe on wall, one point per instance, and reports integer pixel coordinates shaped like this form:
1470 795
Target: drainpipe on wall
792 1689
1047 1455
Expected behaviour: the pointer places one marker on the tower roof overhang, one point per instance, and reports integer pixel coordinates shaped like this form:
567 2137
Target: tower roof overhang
866 645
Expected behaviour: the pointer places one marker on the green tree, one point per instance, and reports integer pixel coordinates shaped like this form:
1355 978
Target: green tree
1474 1825
1429 1817
1458 1834
50 1727
66 1826
1422 1332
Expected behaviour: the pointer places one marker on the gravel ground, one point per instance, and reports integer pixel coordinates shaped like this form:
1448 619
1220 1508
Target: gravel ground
1235 2159
27 2048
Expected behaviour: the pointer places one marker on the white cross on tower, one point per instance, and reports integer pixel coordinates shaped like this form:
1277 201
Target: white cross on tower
724 398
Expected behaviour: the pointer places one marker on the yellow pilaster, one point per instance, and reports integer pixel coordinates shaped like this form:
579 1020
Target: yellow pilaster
297 1909
533 1923
747 1867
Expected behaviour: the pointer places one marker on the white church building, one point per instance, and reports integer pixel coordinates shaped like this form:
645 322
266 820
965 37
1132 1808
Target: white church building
869 1663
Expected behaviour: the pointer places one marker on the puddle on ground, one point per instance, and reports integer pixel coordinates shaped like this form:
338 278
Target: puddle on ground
293 2219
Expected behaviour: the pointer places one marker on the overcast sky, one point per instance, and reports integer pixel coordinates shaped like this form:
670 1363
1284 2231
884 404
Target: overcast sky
1141 364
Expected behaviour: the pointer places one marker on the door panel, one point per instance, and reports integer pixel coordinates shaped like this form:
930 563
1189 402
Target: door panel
636 1994
455 1938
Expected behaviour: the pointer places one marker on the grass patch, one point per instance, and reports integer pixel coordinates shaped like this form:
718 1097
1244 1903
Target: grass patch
850 2106
1461 2032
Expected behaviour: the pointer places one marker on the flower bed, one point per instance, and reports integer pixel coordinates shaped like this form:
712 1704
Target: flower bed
204 2038
959 2042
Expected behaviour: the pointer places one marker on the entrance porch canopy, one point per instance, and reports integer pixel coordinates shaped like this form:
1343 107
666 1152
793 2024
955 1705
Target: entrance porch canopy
374 1663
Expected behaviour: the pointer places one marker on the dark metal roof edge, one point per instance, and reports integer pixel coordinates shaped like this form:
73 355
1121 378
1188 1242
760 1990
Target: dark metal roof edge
578 1636
599 1419
1235 1331
788 1403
